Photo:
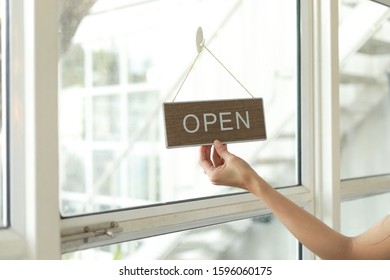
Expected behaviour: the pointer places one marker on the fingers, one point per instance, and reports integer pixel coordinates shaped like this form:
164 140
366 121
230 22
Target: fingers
209 161
221 149
205 160
217 159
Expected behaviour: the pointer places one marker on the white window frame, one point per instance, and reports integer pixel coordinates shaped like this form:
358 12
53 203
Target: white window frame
33 148
38 232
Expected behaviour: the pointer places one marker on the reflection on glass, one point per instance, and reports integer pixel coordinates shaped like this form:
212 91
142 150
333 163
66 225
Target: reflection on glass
72 206
119 62
101 159
73 171
106 115
260 238
73 59
143 171
105 64
140 105
361 214
364 88
139 61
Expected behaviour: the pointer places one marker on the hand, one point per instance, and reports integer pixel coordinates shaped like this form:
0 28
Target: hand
224 168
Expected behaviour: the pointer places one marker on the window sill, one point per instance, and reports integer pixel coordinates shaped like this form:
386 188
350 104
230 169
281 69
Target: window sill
12 245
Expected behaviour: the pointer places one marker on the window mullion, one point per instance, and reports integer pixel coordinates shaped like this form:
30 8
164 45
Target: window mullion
326 108
319 110
33 129
42 175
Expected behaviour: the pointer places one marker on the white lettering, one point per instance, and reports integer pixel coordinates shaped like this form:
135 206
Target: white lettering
222 121
239 117
185 123
191 122
206 123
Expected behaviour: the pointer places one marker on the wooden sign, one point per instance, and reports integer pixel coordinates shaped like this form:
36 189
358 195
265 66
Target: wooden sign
202 122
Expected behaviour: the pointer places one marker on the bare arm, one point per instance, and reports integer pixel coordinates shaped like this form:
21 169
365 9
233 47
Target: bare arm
224 168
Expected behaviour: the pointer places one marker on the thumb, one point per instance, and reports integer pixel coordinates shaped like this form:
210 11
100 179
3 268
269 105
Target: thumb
221 149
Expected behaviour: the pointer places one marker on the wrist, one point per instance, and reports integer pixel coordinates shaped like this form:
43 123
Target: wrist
255 184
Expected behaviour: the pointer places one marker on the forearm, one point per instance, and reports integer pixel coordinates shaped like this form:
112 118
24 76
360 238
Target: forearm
226 169
310 231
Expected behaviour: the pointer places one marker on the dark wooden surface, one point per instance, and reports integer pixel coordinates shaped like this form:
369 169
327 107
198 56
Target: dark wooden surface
201 122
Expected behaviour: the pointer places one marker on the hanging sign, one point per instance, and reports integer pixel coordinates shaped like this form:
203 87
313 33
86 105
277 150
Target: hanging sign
202 122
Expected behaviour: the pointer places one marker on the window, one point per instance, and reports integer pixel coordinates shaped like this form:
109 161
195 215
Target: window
119 186
364 88
117 63
364 61
120 61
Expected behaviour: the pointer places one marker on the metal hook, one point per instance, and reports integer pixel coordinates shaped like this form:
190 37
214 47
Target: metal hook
199 39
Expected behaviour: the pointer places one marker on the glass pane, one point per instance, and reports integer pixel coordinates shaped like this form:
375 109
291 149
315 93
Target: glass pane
3 114
364 88
251 239
359 215
120 60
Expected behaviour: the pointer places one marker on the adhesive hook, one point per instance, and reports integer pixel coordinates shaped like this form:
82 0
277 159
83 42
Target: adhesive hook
199 39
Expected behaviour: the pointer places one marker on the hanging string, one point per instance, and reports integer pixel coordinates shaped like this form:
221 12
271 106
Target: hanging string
192 66
228 71
188 72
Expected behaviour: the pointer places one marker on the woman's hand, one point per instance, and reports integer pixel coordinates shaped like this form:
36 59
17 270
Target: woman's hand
224 168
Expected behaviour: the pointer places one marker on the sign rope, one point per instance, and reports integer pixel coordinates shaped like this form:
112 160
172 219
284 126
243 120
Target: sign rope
200 49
